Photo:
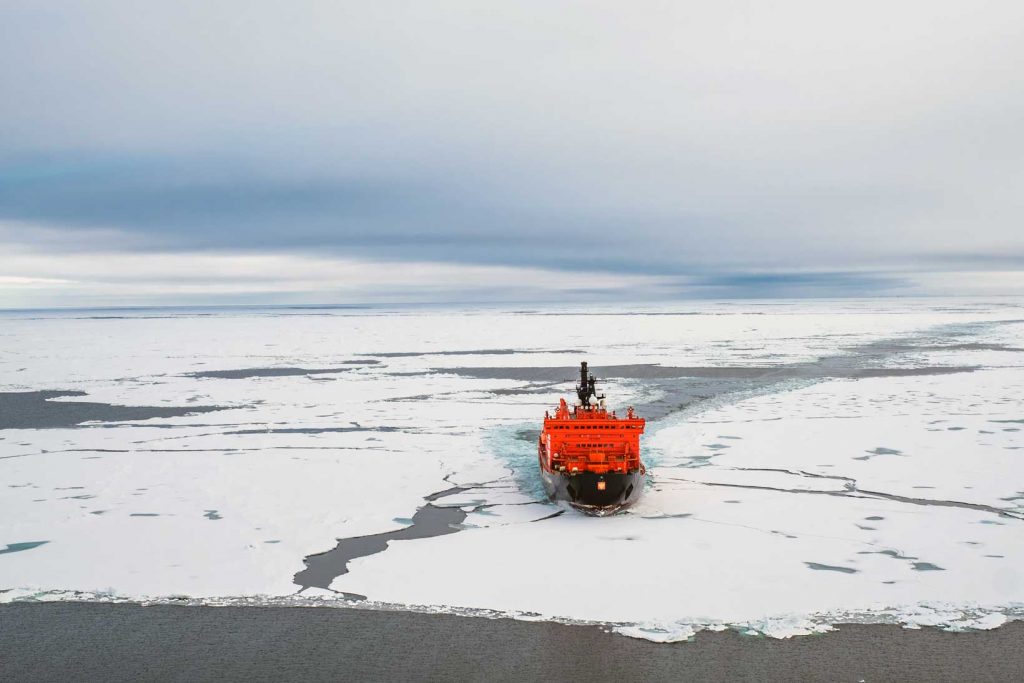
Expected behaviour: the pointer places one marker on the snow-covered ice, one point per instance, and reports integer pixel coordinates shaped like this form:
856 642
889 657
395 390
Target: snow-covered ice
869 465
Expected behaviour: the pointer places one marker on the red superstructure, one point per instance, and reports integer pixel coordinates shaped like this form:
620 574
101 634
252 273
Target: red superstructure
588 456
591 439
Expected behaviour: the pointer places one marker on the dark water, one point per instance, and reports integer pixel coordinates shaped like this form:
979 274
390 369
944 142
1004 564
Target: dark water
35 410
313 430
683 387
825 368
472 352
249 373
428 522
103 642
21 547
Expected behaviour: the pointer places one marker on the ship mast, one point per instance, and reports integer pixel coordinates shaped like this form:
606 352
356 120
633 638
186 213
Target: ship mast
587 388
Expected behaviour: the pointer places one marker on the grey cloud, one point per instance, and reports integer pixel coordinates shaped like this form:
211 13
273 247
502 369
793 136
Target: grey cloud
786 285
715 143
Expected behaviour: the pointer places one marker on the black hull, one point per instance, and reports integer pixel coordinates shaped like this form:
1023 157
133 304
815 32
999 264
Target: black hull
582 490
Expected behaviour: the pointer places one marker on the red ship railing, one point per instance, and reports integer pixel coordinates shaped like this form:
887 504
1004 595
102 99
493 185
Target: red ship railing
590 439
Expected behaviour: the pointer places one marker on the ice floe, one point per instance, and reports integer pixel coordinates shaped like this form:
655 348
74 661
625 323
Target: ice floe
870 469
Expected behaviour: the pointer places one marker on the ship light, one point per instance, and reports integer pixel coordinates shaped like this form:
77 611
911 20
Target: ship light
600 486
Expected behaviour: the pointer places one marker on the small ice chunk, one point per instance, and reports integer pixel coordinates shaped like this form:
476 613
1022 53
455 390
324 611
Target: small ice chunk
658 632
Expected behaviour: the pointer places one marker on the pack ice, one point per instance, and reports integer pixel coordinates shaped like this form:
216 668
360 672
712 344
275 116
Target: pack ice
810 463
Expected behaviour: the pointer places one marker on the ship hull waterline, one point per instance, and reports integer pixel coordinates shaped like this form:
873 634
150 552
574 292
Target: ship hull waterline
585 492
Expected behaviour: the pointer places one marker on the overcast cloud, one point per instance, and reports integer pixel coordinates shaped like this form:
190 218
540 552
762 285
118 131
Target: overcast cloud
653 149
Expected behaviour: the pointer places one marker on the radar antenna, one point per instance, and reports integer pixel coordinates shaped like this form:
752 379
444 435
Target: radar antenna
587 387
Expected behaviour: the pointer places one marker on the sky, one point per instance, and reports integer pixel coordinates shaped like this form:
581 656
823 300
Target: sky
225 152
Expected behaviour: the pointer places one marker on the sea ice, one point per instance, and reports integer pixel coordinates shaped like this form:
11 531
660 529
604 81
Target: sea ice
777 506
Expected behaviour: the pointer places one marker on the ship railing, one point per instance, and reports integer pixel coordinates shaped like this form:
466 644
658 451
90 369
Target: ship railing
581 462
